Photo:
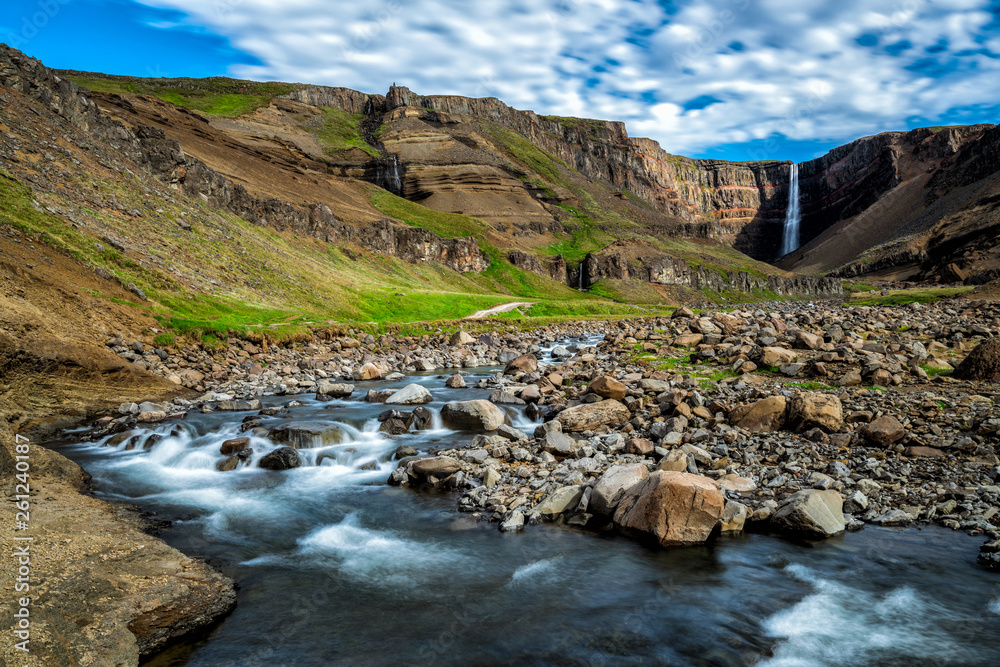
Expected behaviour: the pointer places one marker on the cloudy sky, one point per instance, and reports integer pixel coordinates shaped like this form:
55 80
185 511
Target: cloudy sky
736 79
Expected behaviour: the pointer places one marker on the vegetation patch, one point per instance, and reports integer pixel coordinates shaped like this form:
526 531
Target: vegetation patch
338 130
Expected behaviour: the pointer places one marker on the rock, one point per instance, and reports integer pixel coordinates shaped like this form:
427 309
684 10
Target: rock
639 446
504 397
473 415
513 523
851 378
228 464
233 446
856 502
560 352
924 452
589 416
734 517
524 363
776 356
368 372
411 394
733 482
561 500
612 486
128 409
811 513
672 508
151 417
327 389
815 410
456 381
675 461
982 364
461 338
379 395
238 406
688 340
607 387
306 435
491 478
883 431
559 444
763 416
438 466
893 518
403 451
283 458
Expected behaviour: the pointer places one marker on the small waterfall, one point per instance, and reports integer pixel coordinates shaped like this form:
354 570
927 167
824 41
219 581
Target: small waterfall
790 238
583 267
397 184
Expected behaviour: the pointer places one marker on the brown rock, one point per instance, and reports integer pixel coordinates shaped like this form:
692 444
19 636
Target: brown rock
763 416
814 410
639 446
672 508
983 363
589 416
526 363
234 446
884 431
607 387
924 452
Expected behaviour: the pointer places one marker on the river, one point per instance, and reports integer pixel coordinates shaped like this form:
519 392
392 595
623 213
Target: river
337 568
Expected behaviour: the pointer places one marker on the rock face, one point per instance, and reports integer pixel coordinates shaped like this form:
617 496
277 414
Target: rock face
811 513
478 415
612 486
983 363
590 416
673 508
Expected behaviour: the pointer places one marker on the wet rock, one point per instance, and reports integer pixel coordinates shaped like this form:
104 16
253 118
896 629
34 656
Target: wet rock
671 507
811 513
734 517
238 406
561 500
513 523
151 417
477 415
456 381
379 395
589 417
411 394
306 435
233 446
328 390
423 419
283 458
612 486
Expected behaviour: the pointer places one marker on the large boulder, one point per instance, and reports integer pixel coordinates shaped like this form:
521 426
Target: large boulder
607 387
438 466
612 486
762 416
526 363
884 431
305 435
776 356
815 410
811 513
672 508
411 394
591 415
462 338
478 415
983 363
283 458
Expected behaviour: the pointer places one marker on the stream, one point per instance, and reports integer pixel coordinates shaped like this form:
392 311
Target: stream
337 568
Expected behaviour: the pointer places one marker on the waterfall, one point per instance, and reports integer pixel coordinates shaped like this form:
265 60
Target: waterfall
583 264
790 238
396 182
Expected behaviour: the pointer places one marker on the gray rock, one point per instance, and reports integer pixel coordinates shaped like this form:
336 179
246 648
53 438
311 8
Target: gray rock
561 500
811 513
411 394
612 486
283 458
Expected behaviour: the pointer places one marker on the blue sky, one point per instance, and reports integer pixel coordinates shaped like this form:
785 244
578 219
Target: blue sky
731 79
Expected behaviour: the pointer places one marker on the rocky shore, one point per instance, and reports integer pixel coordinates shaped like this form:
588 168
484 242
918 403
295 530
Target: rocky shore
804 419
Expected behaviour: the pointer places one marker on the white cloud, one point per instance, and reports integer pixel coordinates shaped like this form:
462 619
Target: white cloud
794 67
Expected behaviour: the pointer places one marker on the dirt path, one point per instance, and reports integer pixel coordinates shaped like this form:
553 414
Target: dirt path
505 308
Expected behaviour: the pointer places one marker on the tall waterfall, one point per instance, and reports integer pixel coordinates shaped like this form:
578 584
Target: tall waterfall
790 239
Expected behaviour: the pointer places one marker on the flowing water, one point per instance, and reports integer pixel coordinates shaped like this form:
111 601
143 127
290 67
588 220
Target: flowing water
337 568
793 216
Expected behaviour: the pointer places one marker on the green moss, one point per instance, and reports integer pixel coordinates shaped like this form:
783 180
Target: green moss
164 340
523 151
900 297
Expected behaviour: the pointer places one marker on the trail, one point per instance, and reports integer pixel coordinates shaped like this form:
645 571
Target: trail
505 308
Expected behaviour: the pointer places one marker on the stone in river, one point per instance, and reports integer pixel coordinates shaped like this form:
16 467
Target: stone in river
613 484
473 415
673 508
283 458
811 513
304 435
411 394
